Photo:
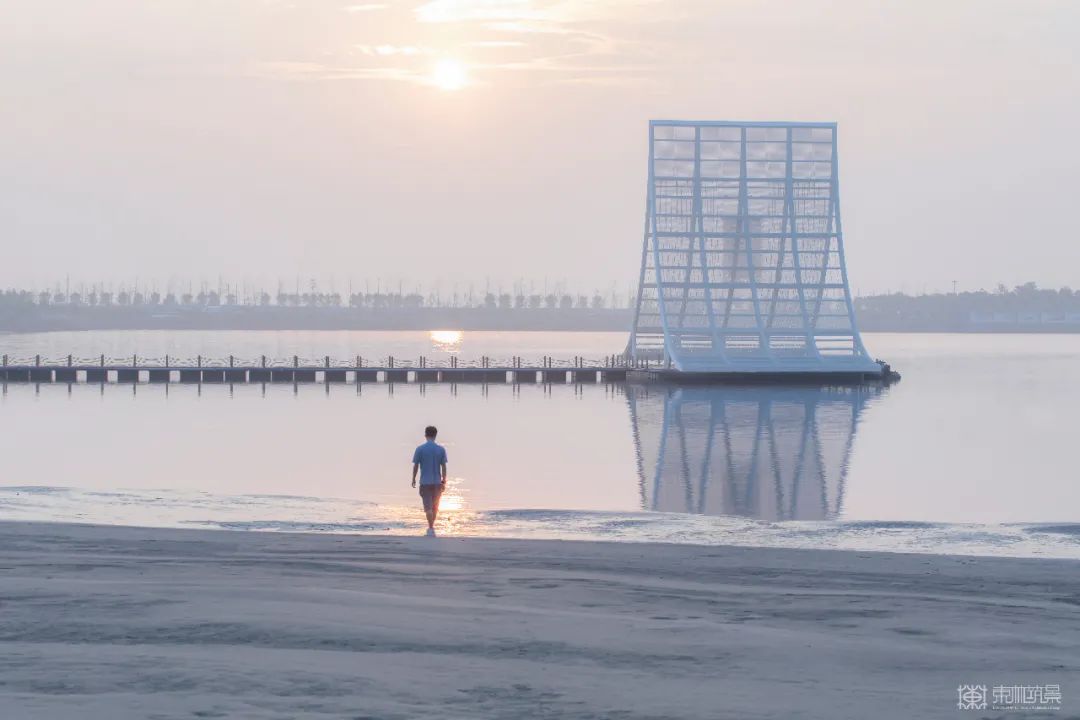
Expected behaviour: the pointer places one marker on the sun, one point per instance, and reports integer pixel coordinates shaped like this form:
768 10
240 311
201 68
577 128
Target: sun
449 74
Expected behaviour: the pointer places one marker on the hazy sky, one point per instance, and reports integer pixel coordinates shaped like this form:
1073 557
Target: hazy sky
457 141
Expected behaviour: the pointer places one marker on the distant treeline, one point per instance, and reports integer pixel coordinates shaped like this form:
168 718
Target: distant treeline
1026 308
21 312
377 300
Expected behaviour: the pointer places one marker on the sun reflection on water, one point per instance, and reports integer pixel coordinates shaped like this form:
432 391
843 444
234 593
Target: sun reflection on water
454 515
452 498
447 340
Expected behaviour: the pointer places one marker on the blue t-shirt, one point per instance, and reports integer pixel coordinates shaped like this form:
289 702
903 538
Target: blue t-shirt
429 457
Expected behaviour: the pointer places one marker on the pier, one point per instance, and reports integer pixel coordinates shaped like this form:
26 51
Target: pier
232 370
550 370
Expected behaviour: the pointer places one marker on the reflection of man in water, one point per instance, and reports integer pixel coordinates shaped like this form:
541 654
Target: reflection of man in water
430 460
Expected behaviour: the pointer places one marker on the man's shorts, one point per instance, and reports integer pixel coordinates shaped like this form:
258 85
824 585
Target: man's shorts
431 495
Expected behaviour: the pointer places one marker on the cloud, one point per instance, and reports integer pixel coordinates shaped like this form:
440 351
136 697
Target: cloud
551 11
447 11
387 50
574 41
311 71
563 34
495 44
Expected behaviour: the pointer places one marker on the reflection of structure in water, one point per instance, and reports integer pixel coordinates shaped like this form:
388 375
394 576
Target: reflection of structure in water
773 453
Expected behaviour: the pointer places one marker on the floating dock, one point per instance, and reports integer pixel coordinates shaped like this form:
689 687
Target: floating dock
483 371
240 375
613 369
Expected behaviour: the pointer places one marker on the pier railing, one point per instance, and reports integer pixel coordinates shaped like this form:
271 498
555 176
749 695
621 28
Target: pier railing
358 368
147 362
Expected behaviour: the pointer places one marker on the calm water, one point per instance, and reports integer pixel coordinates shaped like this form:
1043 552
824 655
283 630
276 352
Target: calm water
972 452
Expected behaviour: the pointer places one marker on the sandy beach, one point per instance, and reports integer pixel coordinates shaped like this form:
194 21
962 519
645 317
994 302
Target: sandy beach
106 623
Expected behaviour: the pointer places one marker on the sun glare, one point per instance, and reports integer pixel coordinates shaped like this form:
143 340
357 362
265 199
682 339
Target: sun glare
447 338
449 74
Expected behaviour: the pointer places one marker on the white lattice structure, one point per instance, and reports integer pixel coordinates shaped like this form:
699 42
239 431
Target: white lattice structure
742 267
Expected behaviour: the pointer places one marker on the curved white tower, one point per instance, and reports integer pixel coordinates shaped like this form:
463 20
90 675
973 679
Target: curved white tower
742 267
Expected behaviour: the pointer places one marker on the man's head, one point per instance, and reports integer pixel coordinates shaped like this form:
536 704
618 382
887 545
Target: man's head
430 432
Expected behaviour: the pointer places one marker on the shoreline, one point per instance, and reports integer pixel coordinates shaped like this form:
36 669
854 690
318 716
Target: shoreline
161 508
115 621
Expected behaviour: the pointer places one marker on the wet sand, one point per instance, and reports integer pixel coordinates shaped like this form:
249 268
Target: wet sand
113 622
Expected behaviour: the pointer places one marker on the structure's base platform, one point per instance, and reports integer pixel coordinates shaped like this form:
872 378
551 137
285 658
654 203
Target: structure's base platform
763 378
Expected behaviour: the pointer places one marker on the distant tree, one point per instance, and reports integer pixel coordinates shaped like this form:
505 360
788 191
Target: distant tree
551 302
505 301
520 301
44 298
582 302
1027 289
598 302
535 301
566 302
489 301
264 298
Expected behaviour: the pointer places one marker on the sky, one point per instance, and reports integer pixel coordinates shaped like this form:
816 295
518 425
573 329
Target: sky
447 143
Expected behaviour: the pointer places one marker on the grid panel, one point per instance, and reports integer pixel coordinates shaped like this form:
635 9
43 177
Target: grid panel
743 263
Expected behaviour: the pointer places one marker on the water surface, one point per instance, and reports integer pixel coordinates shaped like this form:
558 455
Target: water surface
971 452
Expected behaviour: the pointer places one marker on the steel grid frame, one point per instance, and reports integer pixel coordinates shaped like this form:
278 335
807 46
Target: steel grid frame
742 264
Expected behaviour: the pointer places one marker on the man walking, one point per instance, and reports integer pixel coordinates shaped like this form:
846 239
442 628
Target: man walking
430 460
